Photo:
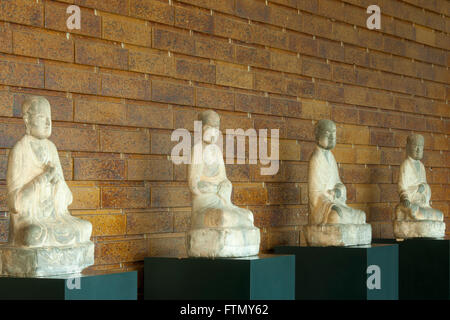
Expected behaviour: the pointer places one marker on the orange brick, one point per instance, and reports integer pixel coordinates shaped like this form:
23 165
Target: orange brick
381 138
283 194
194 20
85 197
100 54
344 74
226 6
22 12
302 44
99 169
172 93
353 134
71 79
106 224
286 62
10 133
331 50
269 82
125 86
351 173
289 150
116 6
315 109
344 154
125 197
21 74
238 172
343 114
367 193
285 107
120 251
149 116
182 221
269 37
152 10
170 196
5 38
125 141
368 155
126 30
102 112
174 41
214 49
253 10
217 99
74 138
190 70
173 246
316 25
149 222
234 77
300 129
296 172
330 92
249 195
252 56
56 19
316 69
358 56
3 166
296 87
345 33
232 28
154 169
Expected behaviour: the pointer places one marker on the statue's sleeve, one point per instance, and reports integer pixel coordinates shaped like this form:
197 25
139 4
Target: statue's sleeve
13 179
406 189
63 195
320 202
194 169
23 195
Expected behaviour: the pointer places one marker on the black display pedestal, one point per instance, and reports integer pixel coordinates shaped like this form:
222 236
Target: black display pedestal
423 268
96 286
340 273
263 277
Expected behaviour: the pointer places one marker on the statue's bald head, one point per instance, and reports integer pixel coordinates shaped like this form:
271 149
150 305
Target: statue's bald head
211 124
34 104
209 118
37 116
414 146
325 133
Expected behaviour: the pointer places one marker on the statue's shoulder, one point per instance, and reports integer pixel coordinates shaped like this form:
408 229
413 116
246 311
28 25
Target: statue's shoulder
20 145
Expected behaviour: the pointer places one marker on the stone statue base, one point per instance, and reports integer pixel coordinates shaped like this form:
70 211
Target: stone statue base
45 261
338 235
220 242
419 229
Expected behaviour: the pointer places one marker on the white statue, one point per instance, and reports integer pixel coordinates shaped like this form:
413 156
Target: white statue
218 228
44 239
414 216
331 221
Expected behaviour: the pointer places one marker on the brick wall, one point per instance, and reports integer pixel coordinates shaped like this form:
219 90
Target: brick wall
138 69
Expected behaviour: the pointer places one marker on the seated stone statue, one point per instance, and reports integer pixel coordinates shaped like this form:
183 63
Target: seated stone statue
218 228
414 217
331 221
44 239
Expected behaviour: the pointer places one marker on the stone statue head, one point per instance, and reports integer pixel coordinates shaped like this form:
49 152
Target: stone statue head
37 116
325 132
210 124
414 146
